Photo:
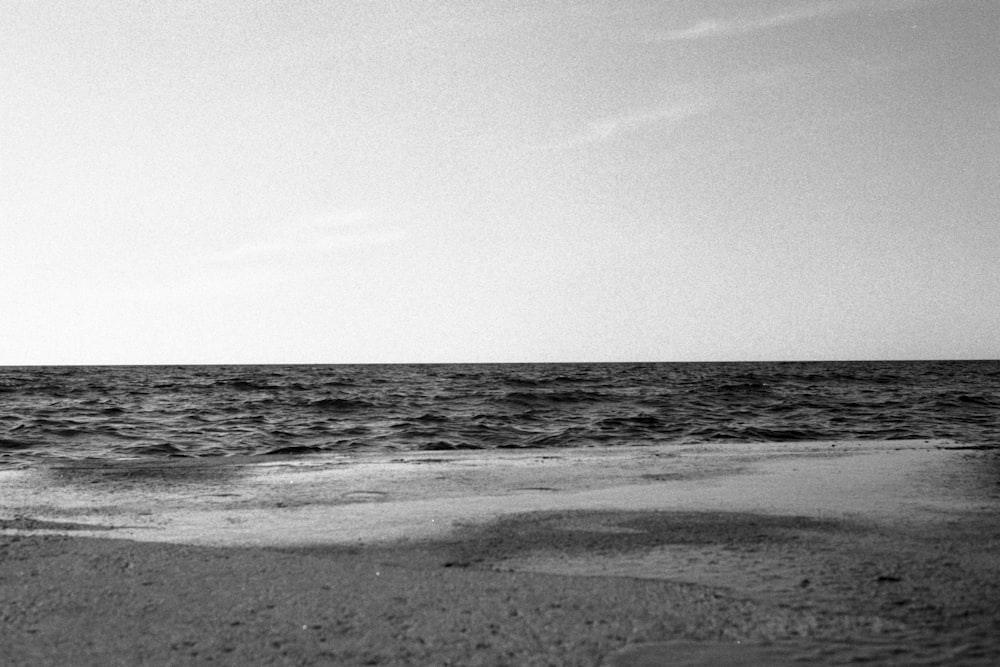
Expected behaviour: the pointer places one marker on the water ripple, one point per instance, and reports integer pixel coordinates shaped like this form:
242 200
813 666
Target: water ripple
167 411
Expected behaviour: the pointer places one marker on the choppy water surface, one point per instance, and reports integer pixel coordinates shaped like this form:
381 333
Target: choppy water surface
153 411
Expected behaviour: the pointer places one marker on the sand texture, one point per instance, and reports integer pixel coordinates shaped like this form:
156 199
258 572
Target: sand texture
812 553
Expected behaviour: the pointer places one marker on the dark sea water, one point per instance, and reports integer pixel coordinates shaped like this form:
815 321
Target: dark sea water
122 412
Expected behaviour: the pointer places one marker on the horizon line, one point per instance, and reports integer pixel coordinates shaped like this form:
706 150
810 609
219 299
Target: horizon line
501 363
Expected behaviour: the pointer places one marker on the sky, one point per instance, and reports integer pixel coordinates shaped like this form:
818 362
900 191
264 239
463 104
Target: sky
242 181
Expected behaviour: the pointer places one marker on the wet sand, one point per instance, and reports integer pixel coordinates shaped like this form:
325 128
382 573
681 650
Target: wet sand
813 553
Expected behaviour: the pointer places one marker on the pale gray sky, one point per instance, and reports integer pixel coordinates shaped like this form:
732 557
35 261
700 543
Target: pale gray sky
240 181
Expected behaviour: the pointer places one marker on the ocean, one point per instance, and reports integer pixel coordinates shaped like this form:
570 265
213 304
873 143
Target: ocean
153 412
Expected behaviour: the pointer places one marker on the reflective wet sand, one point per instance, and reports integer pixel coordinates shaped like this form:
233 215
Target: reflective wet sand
813 552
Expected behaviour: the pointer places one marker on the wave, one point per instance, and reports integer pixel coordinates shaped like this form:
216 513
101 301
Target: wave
127 412
10 443
534 398
443 446
339 404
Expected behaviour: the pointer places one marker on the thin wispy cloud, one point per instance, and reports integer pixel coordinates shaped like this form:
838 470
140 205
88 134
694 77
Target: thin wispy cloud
317 236
668 116
605 129
721 27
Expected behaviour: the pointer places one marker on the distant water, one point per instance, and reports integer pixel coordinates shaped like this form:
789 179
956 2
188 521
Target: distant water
110 412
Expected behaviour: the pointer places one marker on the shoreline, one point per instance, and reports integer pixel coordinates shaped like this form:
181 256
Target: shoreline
776 552
271 501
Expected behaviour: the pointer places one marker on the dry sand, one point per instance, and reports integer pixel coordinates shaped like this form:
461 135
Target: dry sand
810 553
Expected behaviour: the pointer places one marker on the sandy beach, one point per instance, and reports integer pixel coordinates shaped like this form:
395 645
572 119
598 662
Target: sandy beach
808 553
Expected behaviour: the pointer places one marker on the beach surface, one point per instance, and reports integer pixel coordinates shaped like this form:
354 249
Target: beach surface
774 553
